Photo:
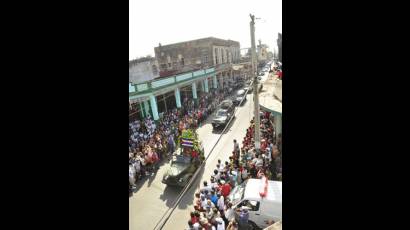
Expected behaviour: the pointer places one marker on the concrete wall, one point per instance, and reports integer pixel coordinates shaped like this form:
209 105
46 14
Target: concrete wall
195 54
143 71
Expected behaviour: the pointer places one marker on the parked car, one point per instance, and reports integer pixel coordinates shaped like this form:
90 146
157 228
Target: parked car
248 88
240 97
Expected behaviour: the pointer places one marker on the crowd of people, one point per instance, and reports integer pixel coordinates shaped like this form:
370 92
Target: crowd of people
150 141
213 209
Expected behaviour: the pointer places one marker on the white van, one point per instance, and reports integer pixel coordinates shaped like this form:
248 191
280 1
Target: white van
261 209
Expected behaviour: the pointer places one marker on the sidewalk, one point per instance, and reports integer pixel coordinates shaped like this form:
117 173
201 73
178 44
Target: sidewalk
271 96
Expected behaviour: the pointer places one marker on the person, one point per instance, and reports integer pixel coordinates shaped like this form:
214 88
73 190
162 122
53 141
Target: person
209 203
243 216
220 202
225 190
206 187
236 147
244 174
229 212
217 175
214 198
171 144
233 225
196 226
204 202
190 225
208 212
131 175
193 218
220 223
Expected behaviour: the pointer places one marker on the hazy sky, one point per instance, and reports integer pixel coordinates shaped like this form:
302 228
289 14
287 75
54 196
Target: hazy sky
171 21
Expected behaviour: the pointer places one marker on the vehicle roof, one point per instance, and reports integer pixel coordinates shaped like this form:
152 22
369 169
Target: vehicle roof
253 187
223 110
226 101
241 91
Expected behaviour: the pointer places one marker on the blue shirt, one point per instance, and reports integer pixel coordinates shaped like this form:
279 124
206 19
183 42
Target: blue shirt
214 199
243 217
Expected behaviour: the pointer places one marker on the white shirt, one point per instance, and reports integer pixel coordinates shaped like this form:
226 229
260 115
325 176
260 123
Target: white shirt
196 226
230 214
221 203
204 203
221 224
244 174
131 172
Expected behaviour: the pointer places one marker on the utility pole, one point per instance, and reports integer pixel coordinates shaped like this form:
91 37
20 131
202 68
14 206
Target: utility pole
257 137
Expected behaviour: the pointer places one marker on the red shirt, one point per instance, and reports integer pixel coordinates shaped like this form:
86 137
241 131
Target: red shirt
225 190
194 154
194 219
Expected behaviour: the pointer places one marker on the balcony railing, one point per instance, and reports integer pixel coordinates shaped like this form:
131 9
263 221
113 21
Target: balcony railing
165 82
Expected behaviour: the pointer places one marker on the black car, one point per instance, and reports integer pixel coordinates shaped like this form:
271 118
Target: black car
223 115
240 97
221 119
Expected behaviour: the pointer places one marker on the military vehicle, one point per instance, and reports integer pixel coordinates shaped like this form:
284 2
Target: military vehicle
185 161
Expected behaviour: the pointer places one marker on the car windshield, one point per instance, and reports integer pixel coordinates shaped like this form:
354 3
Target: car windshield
221 113
237 193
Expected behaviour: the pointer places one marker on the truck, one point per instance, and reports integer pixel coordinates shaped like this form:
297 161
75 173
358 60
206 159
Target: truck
182 165
262 198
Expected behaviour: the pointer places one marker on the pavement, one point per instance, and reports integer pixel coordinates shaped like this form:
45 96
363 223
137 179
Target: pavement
154 198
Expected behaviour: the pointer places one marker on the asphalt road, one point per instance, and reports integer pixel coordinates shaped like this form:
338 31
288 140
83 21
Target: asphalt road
154 198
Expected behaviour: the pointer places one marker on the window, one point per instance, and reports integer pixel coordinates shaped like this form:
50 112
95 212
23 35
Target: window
169 64
182 62
206 59
154 70
252 205
163 66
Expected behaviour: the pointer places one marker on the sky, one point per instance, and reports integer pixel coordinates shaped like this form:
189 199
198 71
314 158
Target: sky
170 21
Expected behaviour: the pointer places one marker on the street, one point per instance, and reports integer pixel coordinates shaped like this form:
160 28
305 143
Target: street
153 198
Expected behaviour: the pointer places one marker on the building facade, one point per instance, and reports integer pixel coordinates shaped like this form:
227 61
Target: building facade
196 54
185 70
143 69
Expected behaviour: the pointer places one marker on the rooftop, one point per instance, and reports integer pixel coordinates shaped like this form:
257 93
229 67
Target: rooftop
197 40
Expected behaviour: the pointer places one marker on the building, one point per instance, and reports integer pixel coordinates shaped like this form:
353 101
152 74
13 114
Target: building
279 41
262 52
185 70
196 54
143 69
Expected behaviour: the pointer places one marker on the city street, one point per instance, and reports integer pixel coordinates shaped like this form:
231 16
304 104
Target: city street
153 198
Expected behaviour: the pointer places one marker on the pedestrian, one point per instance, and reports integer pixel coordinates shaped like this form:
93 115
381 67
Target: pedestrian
131 175
236 146
206 187
214 197
193 218
190 225
243 217
204 202
233 225
220 223
220 202
225 190
229 212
